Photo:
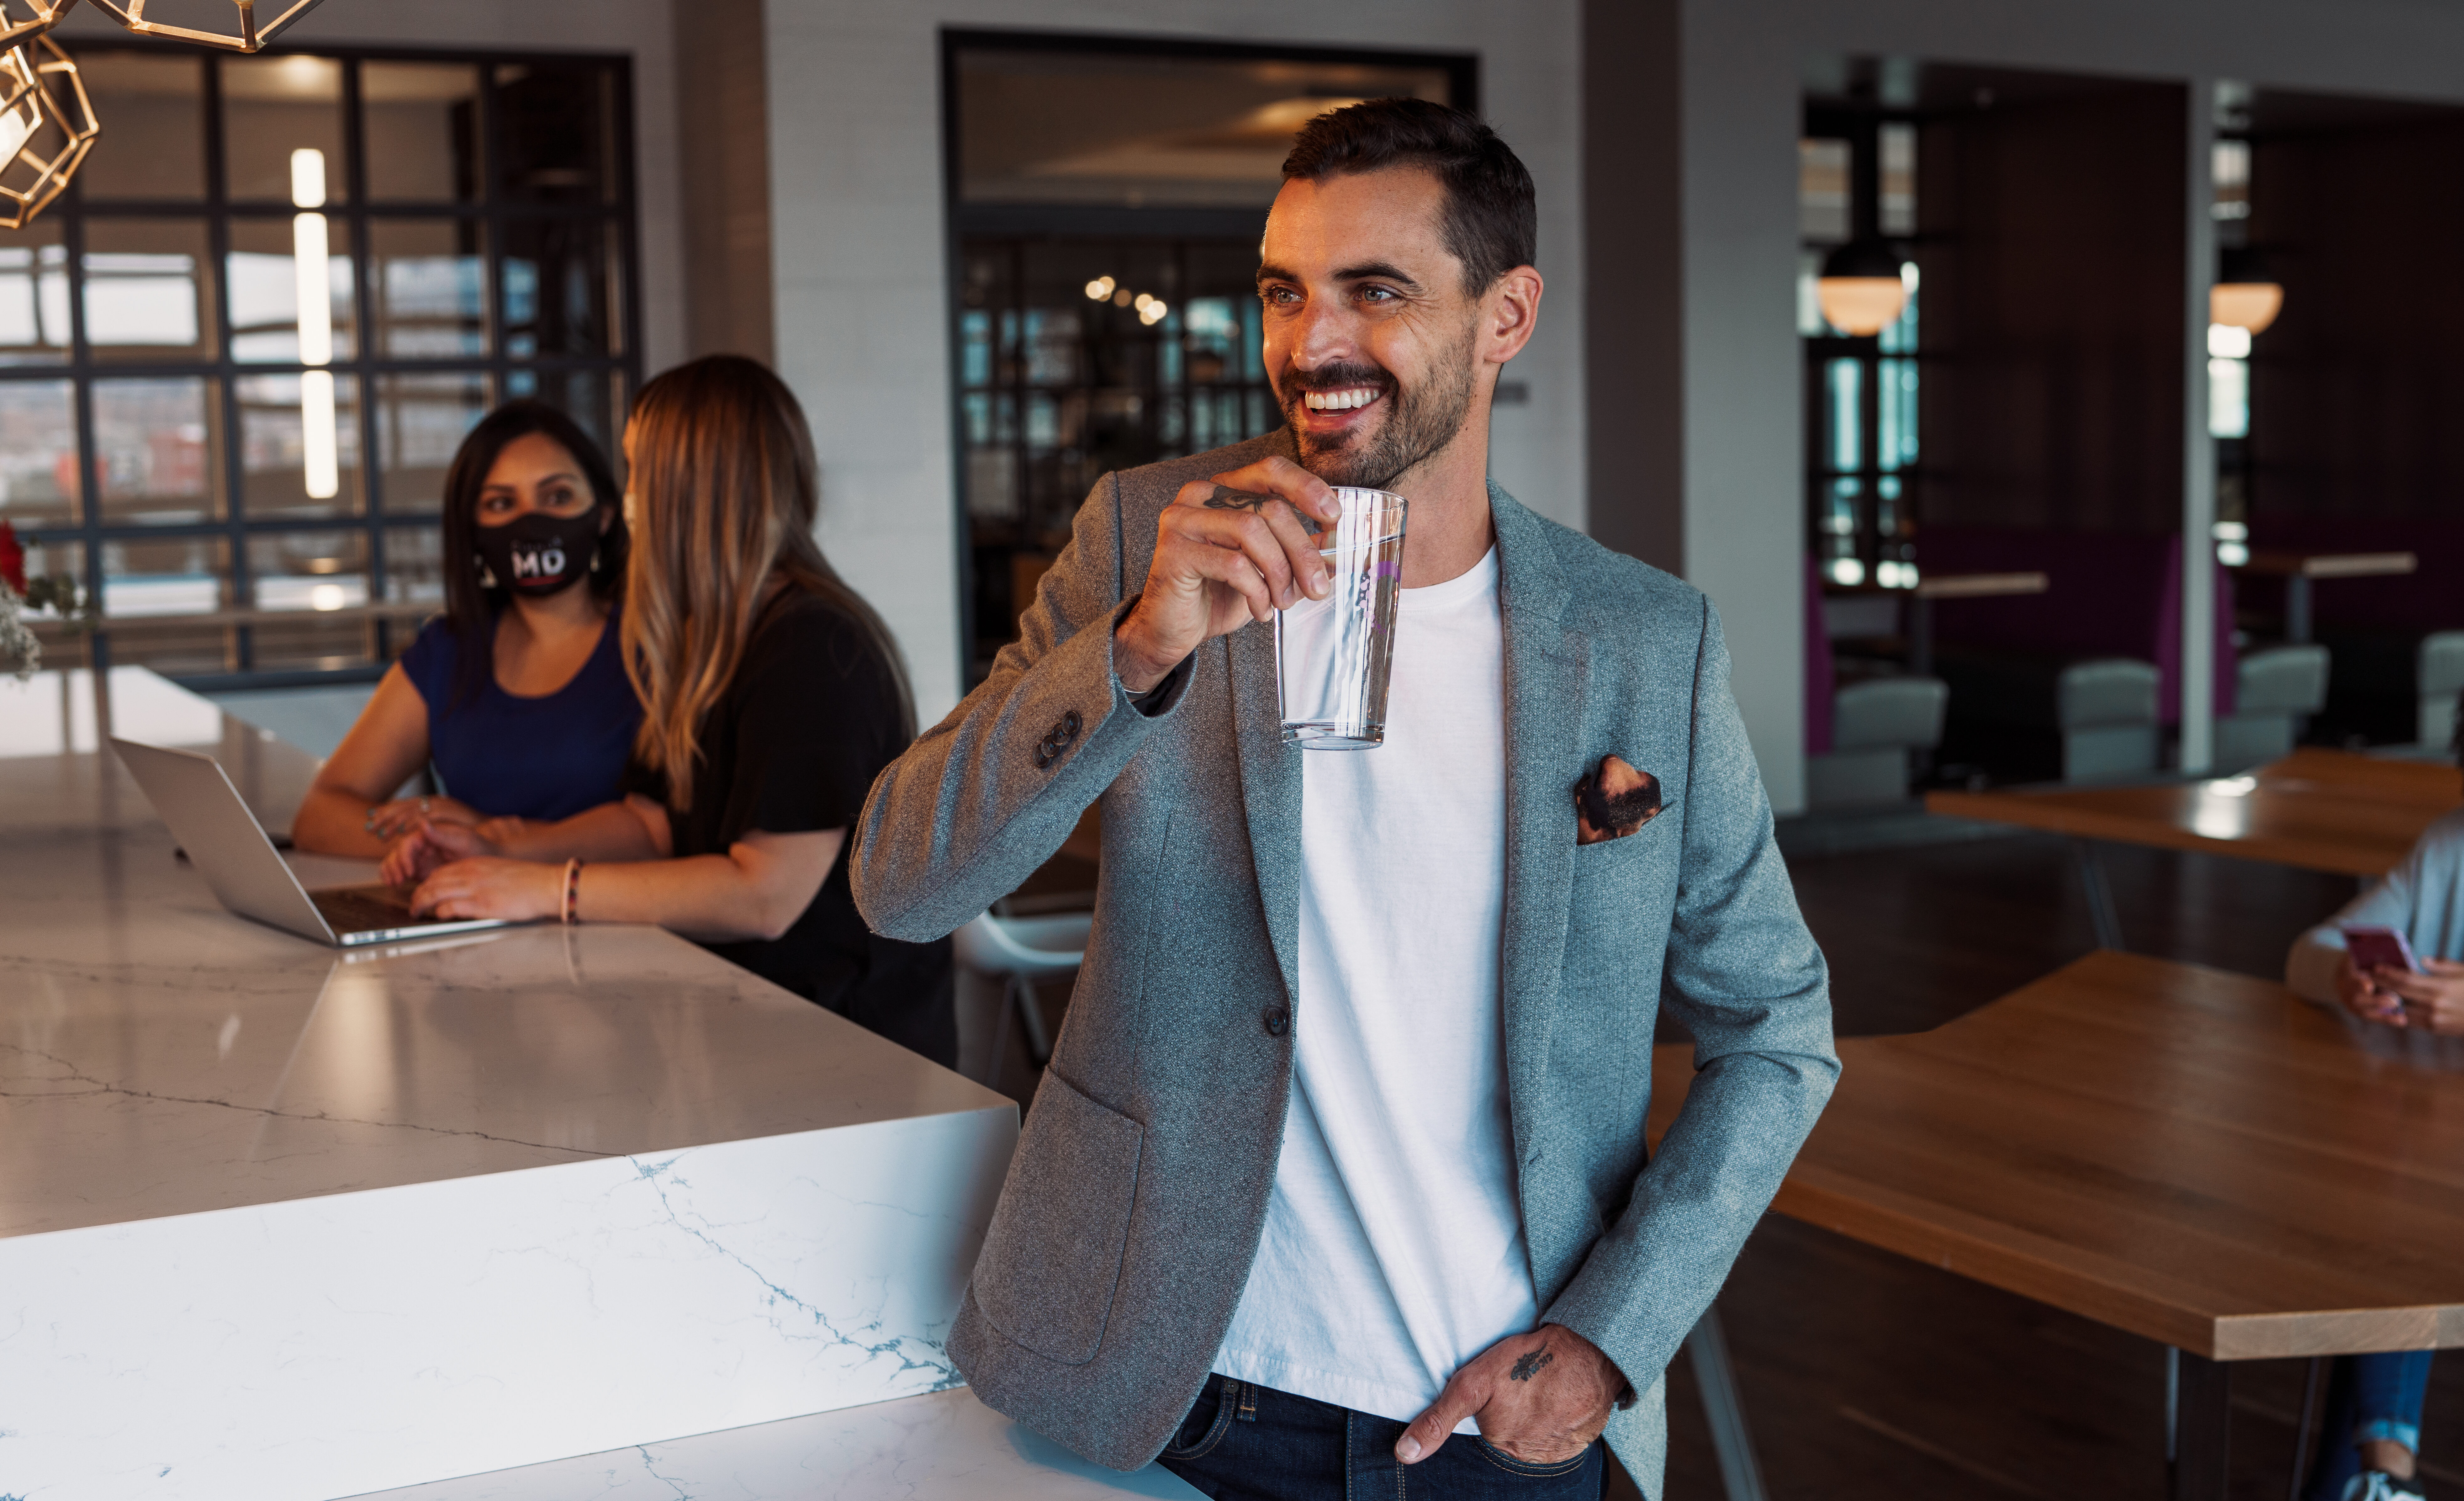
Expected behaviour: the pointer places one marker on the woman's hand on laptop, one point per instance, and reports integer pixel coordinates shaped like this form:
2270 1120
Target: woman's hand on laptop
489 886
431 845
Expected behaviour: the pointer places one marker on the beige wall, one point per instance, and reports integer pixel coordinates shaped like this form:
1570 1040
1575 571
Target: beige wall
859 245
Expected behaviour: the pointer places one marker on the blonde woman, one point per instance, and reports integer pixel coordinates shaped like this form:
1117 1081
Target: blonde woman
771 695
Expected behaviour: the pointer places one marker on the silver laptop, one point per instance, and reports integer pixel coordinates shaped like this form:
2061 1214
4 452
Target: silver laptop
222 840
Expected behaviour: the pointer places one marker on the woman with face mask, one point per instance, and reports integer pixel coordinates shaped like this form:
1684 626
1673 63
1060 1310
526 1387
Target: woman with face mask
515 697
773 697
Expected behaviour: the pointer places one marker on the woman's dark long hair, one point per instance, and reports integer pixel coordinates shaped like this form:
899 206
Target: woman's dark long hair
473 610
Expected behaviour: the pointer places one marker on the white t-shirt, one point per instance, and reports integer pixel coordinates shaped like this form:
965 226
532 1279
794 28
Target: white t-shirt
1394 1248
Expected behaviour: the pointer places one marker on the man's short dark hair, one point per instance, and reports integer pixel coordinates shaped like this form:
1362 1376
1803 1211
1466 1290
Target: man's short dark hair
1491 218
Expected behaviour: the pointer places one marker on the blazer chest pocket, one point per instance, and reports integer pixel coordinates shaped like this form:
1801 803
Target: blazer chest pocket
1052 1258
1622 888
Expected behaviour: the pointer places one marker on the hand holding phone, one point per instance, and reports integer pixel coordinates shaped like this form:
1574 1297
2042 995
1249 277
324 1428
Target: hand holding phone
2375 948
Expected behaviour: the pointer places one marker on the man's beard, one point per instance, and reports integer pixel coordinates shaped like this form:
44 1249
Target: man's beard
1420 423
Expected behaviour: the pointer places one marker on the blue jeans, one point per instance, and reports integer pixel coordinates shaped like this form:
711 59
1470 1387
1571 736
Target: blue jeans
2368 1397
1242 1441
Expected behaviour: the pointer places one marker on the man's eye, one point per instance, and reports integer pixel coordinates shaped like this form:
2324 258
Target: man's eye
1280 296
1378 293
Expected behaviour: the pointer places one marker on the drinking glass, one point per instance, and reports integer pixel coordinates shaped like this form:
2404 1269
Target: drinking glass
1332 656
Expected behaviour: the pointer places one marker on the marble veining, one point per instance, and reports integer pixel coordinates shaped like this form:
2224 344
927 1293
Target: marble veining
277 1222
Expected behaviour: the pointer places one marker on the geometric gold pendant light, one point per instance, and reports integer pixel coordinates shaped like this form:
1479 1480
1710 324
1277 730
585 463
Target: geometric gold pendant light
47 126
23 20
47 122
244 34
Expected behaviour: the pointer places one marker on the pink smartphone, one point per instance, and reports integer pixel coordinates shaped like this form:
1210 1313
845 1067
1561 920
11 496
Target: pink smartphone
2379 948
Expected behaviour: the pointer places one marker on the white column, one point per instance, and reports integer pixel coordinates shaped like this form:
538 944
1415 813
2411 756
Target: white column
2199 644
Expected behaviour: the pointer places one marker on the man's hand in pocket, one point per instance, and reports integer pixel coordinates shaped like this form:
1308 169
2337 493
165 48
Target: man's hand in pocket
1541 1397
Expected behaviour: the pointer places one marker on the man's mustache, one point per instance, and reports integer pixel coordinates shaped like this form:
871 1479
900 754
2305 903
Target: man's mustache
1336 378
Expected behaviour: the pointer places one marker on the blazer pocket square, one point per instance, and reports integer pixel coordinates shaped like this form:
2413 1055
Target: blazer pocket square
1614 801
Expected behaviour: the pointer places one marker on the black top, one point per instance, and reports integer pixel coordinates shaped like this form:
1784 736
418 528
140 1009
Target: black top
791 747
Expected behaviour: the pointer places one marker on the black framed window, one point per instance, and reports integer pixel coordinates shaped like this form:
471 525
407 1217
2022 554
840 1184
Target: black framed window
237 355
1857 180
1106 199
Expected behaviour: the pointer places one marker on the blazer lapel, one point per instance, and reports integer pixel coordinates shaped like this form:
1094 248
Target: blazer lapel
1544 717
1270 791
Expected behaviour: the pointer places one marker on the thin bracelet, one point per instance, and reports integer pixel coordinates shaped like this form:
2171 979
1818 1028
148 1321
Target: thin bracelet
572 891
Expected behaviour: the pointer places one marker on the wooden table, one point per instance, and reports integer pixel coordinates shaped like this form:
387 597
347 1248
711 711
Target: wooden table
2319 809
2197 1158
2297 570
1918 602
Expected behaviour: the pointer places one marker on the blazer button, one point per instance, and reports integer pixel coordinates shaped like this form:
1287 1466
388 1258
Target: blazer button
1279 1021
1070 724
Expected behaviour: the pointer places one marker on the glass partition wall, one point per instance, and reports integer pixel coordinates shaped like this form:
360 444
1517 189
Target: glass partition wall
1106 197
237 355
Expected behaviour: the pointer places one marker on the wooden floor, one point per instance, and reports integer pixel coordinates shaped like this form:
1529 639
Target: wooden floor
1867 1376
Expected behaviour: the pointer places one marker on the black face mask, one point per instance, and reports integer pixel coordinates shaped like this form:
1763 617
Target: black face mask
536 554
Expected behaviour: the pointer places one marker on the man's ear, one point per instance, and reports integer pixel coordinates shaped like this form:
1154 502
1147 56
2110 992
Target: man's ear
1509 312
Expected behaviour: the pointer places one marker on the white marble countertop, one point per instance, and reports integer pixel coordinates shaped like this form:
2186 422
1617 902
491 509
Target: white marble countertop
281 1224
940 1447
158 1056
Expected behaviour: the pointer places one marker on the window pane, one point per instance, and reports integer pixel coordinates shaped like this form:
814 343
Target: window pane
309 570
273 107
299 444
558 298
153 99
1822 190
558 122
422 130
148 293
33 294
154 452
268 288
175 650
431 286
419 422
310 573
39 453
174 576
586 396
415 567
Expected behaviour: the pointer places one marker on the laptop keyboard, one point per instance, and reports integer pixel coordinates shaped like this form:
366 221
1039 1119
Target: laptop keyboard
365 909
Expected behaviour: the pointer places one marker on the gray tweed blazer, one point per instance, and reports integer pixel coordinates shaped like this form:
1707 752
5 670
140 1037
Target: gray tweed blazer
1134 1204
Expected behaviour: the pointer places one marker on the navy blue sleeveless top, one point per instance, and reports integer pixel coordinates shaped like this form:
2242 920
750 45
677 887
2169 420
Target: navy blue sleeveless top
545 758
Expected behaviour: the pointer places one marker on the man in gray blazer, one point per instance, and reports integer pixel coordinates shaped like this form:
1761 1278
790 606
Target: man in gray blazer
1338 1176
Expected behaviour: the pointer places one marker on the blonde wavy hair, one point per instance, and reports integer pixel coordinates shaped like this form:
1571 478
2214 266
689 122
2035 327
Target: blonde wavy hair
722 495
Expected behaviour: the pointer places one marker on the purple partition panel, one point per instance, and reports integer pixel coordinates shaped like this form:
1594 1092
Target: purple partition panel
2431 598
1822 674
2108 594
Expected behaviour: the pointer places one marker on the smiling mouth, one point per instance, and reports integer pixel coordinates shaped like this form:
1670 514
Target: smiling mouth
1347 399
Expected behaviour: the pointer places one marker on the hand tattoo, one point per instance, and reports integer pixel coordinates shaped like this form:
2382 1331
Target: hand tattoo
1227 498
1529 1365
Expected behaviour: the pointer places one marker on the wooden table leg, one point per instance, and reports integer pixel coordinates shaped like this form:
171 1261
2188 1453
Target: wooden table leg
1740 1476
2101 911
2198 1406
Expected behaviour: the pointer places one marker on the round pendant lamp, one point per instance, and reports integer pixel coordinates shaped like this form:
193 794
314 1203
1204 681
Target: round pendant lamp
1861 290
2244 295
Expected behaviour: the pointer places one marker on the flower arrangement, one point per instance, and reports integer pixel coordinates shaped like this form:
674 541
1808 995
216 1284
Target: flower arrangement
58 594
